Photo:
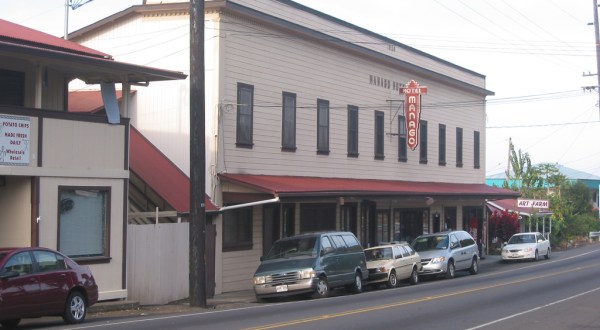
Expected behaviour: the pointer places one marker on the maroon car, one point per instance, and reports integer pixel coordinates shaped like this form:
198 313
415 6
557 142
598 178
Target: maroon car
37 282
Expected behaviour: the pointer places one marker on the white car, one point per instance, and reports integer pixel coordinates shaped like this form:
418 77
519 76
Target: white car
526 246
390 263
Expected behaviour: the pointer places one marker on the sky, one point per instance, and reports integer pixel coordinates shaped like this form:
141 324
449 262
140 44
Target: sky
537 57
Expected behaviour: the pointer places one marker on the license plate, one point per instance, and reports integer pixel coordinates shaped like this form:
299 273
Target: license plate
281 288
515 255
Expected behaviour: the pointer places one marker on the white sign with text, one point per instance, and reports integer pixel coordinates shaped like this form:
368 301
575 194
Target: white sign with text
15 134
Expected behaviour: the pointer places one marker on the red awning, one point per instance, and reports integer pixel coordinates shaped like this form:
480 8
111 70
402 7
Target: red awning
511 206
297 186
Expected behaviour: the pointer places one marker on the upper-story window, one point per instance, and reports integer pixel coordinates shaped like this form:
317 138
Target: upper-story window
476 150
352 131
322 126
459 147
423 142
288 124
12 88
379 134
245 110
402 146
442 145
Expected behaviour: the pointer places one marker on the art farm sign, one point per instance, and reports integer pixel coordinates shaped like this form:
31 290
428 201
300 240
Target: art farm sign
412 109
533 203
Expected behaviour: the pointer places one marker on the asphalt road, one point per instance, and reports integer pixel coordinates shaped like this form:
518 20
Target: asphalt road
560 293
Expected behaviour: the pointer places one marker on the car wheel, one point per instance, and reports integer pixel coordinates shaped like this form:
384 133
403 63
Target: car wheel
547 256
414 276
392 280
535 257
356 286
9 324
451 271
75 308
322 290
474 266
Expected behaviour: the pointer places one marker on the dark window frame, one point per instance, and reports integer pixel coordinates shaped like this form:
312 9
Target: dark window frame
322 127
442 145
402 143
238 223
12 87
476 149
288 121
379 135
352 131
244 111
459 147
64 206
423 142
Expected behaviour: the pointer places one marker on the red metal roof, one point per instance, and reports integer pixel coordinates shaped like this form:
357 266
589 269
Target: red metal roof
161 174
304 186
88 101
26 36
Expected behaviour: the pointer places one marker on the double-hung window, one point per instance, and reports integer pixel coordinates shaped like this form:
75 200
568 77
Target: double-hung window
352 131
459 147
423 142
379 134
245 106
442 145
476 149
322 127
288 124
402 143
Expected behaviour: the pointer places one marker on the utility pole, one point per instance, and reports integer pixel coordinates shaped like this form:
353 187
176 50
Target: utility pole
197 158
597 34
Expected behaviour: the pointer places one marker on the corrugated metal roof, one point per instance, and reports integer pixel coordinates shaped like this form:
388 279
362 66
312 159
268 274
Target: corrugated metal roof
292 186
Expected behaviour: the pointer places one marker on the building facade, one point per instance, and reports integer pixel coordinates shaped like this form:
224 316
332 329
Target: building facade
64 175
306 125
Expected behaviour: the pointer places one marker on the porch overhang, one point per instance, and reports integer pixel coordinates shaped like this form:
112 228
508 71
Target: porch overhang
510 205
302 187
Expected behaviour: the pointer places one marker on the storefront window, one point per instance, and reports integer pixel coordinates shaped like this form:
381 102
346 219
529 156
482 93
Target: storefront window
83 221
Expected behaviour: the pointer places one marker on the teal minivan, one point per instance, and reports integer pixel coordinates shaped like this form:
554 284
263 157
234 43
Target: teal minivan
311 263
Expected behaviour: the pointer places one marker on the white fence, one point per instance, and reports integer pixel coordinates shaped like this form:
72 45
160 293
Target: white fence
158 263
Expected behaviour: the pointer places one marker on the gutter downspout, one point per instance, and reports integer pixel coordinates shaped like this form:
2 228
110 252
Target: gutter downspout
266 201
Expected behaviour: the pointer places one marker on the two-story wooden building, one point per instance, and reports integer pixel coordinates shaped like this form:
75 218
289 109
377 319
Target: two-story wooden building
312 123
64 176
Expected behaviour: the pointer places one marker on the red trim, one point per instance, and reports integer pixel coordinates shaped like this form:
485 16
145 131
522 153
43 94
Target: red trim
296 185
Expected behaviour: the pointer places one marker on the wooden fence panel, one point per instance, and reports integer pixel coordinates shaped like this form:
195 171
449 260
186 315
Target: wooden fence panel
158 263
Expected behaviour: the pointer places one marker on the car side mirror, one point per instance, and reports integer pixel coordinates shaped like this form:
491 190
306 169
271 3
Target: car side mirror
326 251
504 244
262 258
8 275
540 240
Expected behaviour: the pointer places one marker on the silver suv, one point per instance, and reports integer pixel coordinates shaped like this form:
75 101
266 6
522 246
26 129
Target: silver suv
446 252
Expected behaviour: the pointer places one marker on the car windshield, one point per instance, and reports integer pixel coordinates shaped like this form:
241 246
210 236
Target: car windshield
435 242
520 239
379 254
306 246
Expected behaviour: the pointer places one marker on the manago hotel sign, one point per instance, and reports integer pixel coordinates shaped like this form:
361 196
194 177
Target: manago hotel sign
412 109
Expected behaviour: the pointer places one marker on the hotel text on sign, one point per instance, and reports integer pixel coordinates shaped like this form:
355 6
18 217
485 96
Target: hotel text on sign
533 203
412 109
